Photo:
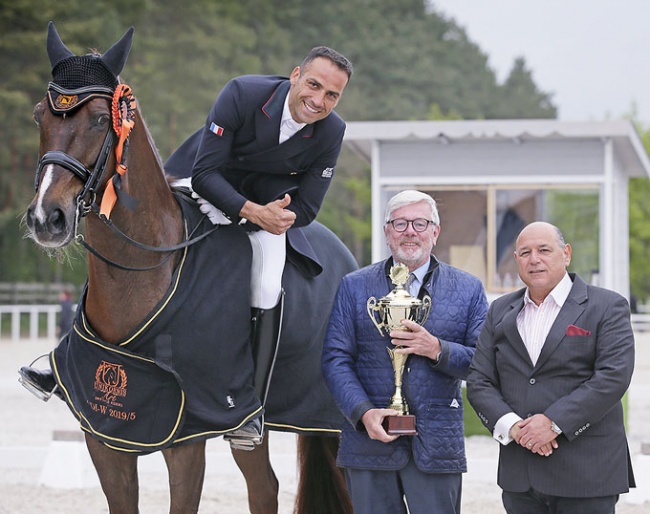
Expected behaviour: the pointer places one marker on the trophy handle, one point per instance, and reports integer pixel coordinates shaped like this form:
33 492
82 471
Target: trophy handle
426 308
372 309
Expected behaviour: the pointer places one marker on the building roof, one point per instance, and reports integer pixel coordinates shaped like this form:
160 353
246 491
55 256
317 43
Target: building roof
360 135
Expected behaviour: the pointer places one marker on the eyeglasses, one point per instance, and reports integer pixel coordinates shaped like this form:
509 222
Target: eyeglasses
419 224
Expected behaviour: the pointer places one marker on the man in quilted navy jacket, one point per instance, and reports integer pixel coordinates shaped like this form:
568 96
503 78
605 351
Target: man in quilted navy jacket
385 473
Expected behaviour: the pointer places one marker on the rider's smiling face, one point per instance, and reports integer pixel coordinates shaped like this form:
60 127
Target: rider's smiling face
315 90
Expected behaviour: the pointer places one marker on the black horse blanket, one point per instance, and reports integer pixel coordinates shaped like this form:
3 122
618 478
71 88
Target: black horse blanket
186 372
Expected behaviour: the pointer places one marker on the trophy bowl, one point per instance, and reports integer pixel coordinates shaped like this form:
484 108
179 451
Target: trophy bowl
387 314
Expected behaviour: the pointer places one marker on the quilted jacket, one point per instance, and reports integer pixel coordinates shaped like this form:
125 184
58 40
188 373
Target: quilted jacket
359 373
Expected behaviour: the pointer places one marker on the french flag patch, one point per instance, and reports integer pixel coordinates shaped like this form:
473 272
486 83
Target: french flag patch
216 129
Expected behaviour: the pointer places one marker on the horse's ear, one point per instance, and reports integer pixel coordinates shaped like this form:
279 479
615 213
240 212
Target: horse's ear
56 50
115 57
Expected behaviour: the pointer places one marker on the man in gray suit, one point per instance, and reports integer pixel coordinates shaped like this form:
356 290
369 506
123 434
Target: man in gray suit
551 365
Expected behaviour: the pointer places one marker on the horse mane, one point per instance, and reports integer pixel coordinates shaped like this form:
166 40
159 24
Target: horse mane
143 125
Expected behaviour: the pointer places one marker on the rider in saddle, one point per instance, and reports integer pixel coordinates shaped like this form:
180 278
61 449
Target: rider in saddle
264 159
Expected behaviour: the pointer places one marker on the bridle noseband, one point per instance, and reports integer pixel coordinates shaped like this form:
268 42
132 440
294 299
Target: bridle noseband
91 179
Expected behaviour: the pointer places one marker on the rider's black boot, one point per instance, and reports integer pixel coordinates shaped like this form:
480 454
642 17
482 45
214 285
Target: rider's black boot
40 383
265 338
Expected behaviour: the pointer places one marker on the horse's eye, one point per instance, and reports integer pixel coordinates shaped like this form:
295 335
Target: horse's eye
103 119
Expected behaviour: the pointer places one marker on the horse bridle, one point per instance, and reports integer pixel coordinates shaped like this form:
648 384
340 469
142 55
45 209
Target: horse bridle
90 179
122 113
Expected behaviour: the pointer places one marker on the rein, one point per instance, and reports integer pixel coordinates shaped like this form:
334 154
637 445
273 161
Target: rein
79 238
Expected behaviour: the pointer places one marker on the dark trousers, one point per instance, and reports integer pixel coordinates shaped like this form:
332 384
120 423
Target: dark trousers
389 492
534 502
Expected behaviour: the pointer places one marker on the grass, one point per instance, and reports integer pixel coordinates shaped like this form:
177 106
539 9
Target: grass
473 425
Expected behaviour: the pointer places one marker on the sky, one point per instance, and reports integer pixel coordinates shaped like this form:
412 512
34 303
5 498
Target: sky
593 56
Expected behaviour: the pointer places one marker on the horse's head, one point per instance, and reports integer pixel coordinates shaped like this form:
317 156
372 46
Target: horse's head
76 137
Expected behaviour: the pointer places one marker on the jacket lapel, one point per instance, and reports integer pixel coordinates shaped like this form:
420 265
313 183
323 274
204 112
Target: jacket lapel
268 118
512 332
267 130
570 312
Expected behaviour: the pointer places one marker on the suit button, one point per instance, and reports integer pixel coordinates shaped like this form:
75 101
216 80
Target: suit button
532 381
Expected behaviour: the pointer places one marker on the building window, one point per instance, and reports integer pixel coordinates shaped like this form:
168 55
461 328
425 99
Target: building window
479 225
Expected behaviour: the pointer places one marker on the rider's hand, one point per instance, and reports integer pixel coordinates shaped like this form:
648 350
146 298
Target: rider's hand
215 215
272 217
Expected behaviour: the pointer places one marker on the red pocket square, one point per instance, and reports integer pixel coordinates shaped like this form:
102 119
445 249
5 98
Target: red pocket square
572 330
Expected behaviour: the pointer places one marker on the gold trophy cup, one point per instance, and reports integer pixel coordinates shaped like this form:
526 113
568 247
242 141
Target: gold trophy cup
392 309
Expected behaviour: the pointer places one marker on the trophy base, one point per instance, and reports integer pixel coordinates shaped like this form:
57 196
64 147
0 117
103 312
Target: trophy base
400 425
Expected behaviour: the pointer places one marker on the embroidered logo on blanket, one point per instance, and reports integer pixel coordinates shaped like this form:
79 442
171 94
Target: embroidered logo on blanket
110 387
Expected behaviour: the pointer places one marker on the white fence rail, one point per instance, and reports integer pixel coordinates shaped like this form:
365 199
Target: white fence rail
641 322
20 293
29 321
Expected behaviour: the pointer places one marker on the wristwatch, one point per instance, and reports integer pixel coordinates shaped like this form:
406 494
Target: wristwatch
555 428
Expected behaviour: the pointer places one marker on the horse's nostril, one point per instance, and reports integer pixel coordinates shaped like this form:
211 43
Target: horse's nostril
30 218
56 222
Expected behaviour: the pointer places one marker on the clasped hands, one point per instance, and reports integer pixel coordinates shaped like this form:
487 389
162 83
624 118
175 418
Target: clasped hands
535 434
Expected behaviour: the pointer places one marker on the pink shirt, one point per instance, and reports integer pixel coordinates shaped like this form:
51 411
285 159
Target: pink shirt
534 322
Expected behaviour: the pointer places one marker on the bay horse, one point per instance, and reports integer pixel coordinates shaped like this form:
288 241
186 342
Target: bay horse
158 358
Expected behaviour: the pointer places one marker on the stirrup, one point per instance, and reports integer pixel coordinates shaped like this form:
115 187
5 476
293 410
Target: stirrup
246 437
34 387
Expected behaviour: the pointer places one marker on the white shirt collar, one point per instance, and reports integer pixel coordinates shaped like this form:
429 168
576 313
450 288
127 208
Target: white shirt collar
288 120
559 293
421 271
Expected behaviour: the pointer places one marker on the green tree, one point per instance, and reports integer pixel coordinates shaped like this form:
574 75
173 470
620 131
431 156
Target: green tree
25 74
521 98
177 69
410 63
639 212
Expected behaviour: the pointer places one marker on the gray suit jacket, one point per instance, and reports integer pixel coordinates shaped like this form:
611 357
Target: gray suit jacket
584 369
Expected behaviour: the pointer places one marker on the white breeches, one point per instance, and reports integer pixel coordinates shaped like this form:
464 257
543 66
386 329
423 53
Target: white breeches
269 255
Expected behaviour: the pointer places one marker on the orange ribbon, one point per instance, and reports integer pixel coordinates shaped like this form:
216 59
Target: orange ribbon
123 108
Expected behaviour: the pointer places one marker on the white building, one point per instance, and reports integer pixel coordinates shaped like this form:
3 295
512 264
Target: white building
491 178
